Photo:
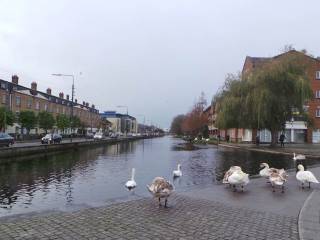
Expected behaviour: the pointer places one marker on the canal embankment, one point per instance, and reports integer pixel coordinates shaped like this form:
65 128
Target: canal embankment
7 153
309 150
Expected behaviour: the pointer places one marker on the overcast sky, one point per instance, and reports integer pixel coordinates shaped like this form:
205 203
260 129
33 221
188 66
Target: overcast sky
155 56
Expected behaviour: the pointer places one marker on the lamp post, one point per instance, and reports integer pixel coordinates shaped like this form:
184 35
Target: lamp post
72 95
144 121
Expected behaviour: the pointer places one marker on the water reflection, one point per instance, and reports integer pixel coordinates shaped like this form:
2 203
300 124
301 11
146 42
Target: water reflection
92 176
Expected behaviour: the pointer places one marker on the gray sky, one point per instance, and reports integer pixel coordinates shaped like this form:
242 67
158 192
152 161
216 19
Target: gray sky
154 56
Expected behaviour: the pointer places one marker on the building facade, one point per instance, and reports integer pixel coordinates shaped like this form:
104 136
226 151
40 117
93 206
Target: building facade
19 98
120 123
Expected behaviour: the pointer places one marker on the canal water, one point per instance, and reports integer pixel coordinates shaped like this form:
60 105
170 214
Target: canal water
96 176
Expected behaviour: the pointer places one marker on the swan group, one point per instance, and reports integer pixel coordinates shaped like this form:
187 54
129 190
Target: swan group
276 177
235 177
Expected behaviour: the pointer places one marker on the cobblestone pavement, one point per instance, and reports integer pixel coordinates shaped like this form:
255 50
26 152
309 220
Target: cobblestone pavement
186 218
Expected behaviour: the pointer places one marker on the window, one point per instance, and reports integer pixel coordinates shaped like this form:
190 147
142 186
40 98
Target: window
3 85
4 99
29 103
37 105
318 75
18 101
318 112
46 107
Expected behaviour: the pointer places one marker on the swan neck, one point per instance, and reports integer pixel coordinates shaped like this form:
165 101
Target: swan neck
132 174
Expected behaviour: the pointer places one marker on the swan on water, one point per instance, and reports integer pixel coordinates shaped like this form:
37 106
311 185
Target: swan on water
178 172
131 184
298 157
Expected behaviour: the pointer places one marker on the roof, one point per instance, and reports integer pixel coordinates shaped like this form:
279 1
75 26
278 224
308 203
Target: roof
42 95
258 61
207 109
114 114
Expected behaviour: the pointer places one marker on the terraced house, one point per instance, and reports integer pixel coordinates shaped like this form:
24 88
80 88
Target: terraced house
296 130
20 98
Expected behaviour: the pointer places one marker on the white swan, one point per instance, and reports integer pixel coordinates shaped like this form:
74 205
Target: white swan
231 170
238 178
278 179
208 139
196 139
298 157
178 172
305 176
161 188
131 184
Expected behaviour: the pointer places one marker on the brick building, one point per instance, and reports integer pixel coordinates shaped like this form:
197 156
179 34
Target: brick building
211 115
19 98
296 130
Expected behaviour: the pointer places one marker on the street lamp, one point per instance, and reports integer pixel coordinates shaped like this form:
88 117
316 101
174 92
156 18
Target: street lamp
72 95
144 121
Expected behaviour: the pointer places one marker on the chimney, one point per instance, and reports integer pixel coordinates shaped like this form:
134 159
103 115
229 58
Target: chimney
83 103
49 91
15 79
67 97
92 106
61 95
34 86
87 104
76 100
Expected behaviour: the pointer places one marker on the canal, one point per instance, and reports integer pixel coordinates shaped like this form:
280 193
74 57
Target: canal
95 176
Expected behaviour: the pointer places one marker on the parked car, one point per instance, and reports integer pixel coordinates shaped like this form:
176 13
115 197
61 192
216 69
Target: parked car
6 139
98 136
113 135
51 138
89 135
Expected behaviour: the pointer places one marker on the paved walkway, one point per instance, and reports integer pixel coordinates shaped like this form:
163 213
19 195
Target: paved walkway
309 218
186 218
210 212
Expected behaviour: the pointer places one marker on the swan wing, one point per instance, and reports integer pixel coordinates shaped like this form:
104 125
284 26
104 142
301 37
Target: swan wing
264 172
310 177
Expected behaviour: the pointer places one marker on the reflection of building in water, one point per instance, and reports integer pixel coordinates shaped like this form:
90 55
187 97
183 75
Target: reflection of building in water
22 179
123 147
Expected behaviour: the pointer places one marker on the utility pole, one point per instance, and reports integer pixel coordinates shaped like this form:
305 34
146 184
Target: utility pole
72 96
